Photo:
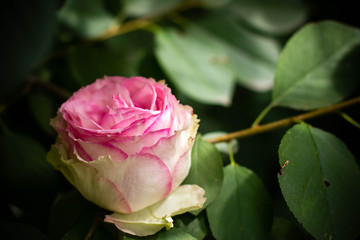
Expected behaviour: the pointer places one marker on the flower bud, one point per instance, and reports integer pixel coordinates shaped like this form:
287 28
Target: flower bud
125 144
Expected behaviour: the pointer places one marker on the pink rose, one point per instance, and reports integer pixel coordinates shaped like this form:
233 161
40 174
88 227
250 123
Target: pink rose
125 144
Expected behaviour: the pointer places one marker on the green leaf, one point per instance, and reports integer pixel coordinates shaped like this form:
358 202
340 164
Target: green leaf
252 57
196 227
318 66
242 209
270 16
206 169
121 56
320 180
196 64
29 28
174 234
87 18
206 59
148 7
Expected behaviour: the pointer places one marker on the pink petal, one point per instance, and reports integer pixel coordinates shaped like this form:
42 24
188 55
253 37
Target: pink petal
174 152
182 168
131 144
143 179
164 120
96 150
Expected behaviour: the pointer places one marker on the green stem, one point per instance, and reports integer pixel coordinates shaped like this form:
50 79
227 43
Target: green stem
257 129
231 154
350 120
262 114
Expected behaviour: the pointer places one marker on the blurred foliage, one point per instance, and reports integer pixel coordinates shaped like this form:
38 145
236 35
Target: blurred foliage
222 57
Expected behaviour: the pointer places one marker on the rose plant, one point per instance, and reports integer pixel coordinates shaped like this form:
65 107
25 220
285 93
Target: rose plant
125 144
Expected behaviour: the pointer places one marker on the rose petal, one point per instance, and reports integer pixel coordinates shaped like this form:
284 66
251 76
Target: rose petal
185 198
151 219
131 144
98 150
145 97
164 120
128 185
174 151
124 117
128 144
183 117
144 179
138 127
181 169
140 223
86 179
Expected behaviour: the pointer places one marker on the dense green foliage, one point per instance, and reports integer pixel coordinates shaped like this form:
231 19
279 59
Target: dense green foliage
236 62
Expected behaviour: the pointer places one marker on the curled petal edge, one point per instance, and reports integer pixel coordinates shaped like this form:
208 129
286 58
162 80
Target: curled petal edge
152 219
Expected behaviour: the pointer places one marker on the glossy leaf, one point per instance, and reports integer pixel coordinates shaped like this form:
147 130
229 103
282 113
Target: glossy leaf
274 16
206 169
242 209
320 180
318 66
196 64
206 59
195 226
252 57
86 18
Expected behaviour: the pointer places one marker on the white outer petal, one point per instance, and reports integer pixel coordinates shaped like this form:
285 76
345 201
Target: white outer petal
153 218
123 186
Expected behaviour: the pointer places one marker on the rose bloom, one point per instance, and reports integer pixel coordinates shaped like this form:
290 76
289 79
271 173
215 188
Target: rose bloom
125 144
